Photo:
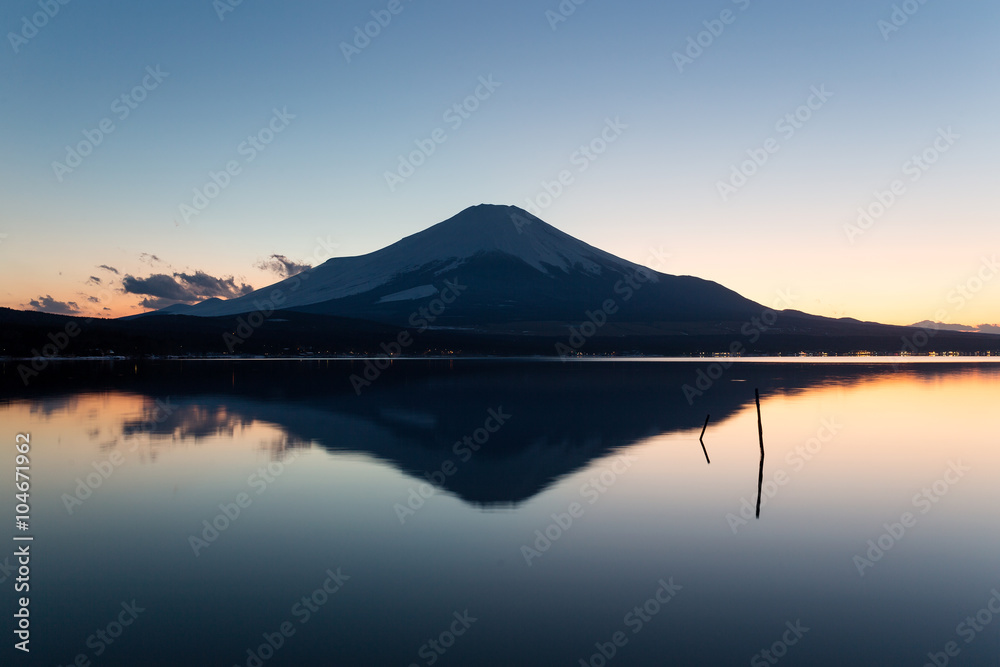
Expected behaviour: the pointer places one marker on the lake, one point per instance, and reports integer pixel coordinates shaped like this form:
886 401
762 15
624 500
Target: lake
478 512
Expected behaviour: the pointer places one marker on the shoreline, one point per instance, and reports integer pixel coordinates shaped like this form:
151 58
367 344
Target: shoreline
715 358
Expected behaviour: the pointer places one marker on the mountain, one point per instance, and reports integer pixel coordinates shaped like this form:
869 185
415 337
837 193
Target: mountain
506 267
941 326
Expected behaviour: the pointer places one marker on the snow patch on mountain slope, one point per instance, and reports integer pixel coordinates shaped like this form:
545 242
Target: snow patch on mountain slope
408 295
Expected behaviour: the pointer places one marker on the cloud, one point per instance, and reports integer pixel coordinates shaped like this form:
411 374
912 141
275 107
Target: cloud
93 299
109 268
158 285
46 304
94 280
165 290
148 258
205 285
989 328
281 265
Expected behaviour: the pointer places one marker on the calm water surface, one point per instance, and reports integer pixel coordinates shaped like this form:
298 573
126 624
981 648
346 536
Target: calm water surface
507 513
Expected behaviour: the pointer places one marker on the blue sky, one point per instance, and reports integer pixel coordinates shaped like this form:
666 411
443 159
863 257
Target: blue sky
652 196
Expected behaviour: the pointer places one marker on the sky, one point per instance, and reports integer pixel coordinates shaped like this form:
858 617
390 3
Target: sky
836 158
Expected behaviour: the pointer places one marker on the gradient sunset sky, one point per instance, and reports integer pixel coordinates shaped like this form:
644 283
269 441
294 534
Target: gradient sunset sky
887 81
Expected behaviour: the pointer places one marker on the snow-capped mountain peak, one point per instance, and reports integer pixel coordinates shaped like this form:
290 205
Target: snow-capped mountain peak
502 229
485 230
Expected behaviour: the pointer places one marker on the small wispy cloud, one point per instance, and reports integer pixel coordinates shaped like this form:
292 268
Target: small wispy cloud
281 265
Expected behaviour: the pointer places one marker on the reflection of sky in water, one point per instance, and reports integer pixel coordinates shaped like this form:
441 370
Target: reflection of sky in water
343 466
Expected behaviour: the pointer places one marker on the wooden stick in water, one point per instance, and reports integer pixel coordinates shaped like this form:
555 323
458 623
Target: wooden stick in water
702 440
760 435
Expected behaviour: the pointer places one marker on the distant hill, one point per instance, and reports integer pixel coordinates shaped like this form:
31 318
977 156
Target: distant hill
941 326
